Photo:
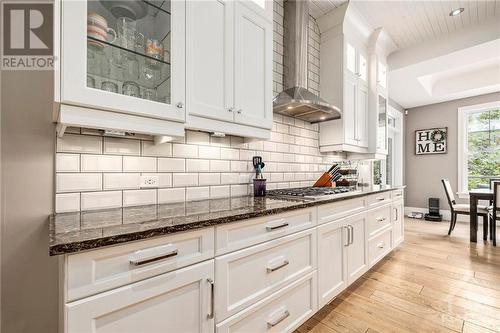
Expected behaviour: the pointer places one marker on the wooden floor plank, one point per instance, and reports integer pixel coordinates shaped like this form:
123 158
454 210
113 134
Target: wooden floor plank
432 283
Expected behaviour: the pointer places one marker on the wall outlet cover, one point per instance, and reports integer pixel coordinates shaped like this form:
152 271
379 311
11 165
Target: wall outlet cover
149 181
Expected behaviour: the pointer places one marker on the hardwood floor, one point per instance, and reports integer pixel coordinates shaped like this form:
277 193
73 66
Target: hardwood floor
430 283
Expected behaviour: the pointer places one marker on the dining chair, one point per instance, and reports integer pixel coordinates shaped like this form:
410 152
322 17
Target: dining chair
463 209
495 212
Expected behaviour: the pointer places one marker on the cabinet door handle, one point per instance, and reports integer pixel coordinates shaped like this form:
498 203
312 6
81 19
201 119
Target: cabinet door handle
210 314
231 109
179 105
348 235
275 268
381 245
380 199
396 217
239 111
147 256
278 320
381 219
271 228
352 234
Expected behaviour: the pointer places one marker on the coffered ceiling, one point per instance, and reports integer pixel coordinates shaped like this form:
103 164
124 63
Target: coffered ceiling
413 22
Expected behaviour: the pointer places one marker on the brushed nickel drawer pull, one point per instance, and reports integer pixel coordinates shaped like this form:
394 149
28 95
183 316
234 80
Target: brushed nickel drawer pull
352 234
272 269
273 323
380 199
381 219
271 228
348 235
147 256
381 245
210 315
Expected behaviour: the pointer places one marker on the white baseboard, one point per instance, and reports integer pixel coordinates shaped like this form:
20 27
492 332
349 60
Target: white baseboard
445 212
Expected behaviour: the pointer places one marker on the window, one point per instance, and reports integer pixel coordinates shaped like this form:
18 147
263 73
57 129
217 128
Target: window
479 146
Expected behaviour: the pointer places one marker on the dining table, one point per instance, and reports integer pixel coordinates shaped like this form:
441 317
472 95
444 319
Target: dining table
474 196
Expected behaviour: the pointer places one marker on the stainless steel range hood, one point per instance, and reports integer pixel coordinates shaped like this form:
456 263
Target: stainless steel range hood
296 101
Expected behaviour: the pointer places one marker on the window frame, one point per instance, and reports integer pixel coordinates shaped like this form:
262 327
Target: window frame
463 182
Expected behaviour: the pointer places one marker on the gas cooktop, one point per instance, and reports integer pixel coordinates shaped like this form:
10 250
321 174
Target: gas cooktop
310 193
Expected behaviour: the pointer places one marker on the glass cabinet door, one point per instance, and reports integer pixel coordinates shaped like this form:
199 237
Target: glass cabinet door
130 54
382 124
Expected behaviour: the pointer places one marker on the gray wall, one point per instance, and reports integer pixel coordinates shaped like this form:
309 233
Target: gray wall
423 173
29 281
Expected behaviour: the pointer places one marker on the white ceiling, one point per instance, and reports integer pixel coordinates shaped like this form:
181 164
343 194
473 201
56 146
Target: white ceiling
412 22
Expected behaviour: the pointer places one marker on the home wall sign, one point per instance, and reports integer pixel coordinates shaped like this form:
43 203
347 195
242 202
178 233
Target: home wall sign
431 141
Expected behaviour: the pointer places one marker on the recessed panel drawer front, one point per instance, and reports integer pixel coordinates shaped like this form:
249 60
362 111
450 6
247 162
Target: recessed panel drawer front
397 194
238 235
95 271
282 312
340 209
378 199
379 246
379 219
249 275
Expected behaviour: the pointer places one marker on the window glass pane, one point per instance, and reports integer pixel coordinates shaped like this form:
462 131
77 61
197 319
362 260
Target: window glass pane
483 160
351 58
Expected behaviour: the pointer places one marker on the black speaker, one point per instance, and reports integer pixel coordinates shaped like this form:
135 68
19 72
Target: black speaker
433 214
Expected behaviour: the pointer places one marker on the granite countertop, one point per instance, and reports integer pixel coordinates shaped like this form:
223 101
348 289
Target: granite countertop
75 232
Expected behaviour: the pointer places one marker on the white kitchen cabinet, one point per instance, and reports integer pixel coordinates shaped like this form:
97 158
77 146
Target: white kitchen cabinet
179 301
342 255
350 132
229 66
119 73
381 75
397 222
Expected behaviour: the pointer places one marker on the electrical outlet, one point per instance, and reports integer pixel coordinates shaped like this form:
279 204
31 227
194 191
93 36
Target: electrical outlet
149 181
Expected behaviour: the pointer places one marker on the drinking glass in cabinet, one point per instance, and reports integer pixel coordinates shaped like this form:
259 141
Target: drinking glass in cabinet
128 43
109 86
90 81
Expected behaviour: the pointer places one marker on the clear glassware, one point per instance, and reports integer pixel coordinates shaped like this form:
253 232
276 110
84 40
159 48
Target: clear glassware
130 88
149 94
90 81
109 86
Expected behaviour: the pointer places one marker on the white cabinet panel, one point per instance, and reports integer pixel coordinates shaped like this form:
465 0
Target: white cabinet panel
379 246
245 277
333 211
179 301
332 261
362 115
349 111
378 219
357 254
282 312
397 222
253 68
95 271
210 67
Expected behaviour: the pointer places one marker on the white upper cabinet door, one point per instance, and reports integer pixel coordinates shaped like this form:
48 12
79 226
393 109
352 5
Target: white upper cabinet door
349 111
363 67
332 263
263 7
124 65
179 301
350 58
253 68
210 28
357 253
362 115
381 74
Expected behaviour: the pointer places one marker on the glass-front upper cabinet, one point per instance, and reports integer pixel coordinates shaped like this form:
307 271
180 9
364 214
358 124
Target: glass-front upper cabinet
382 75
124 55
382 124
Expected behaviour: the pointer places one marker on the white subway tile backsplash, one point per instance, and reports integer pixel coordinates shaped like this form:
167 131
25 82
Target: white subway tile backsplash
220 141
67 162
239 190
246 155
101 163
78 182
139 164
101 200
219 166
197 193
160 150
170 195
185 179
73 143
219 192
119 146
209 152
229 178
197 165
185 151
139 197
239 166
121 181
197 138
229 154
209 179
67 202
171 165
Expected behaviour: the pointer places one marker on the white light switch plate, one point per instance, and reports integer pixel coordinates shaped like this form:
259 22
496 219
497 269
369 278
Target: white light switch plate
149 181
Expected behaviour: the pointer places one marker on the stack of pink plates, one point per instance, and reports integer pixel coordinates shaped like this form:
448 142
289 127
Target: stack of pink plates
97 27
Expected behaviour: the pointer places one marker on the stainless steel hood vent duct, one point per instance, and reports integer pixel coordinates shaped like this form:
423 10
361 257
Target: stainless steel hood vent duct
296 101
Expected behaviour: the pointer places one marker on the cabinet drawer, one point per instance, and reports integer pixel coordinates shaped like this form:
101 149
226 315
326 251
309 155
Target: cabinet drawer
238 235
337 210
379 246
249 275
379 219
378 199
283 312
92 272
397 194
